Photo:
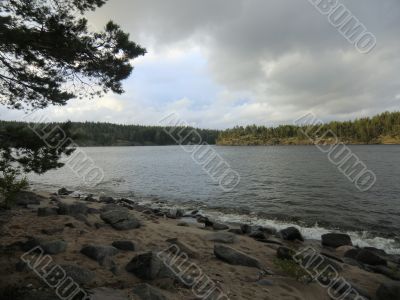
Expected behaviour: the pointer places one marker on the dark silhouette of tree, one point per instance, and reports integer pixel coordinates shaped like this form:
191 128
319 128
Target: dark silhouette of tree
47 57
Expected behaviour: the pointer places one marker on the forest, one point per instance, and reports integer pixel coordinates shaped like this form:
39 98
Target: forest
380 129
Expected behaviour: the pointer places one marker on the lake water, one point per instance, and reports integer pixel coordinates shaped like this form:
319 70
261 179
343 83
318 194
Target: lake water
278 186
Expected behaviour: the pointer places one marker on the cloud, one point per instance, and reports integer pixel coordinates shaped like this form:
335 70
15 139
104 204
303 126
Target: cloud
221 63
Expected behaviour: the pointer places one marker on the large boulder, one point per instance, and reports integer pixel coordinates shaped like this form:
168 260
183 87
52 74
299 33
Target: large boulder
54 247
148 266
222 237
99 252
106 199
370 258
335 240
120 219
78 274
388 291
291 234
285 253
235 257
147 292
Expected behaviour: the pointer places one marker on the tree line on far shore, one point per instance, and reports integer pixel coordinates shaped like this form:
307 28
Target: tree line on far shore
380 129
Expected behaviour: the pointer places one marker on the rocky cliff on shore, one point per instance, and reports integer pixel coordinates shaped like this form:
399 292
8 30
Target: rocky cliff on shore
104 248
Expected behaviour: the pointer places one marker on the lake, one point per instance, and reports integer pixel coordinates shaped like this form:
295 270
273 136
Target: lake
279 185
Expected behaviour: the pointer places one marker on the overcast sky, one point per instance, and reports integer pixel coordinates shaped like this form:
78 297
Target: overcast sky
221 63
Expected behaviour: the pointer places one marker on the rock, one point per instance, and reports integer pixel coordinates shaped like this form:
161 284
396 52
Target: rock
47 211
235 257
92 211
147 292
89 198
258 235
120 220
105 293
175 213
272 241
105 199
27 198
343 249
352 253
370 258
110 207
72 209
97 252
206 221
219 226
64 192
185 248
21 266
124 245
235 231
291 234
384 270
388 291
54 247
265 282
221 237
268 229
335 240
99 225
53 230
148 266
78 274
285 253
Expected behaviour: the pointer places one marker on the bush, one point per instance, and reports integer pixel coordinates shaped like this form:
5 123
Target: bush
10 185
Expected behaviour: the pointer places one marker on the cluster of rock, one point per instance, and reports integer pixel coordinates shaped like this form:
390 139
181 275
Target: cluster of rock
337 248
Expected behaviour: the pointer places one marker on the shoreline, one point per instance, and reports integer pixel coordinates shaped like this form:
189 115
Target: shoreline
237 277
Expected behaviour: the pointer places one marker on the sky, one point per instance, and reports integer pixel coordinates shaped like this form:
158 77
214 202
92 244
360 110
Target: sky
222 63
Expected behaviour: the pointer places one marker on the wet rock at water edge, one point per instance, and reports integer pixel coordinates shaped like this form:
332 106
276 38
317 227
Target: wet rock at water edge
147 292
220 226
64 192
106 199
124 245
370 258
175 213
206 221
235 257
291 234
335 240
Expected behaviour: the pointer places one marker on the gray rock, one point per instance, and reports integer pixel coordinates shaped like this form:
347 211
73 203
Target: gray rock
120 220
72 209
54 247
291 234
219 226
105 199
221 237
370 258
148 266
258 235
175 213
147 292
388 291
78 274
336 240
206 221
124 245
235 257
285 253
64 192
185 248
98 252
47 211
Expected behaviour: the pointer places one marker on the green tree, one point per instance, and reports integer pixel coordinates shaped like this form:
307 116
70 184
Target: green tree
47 57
